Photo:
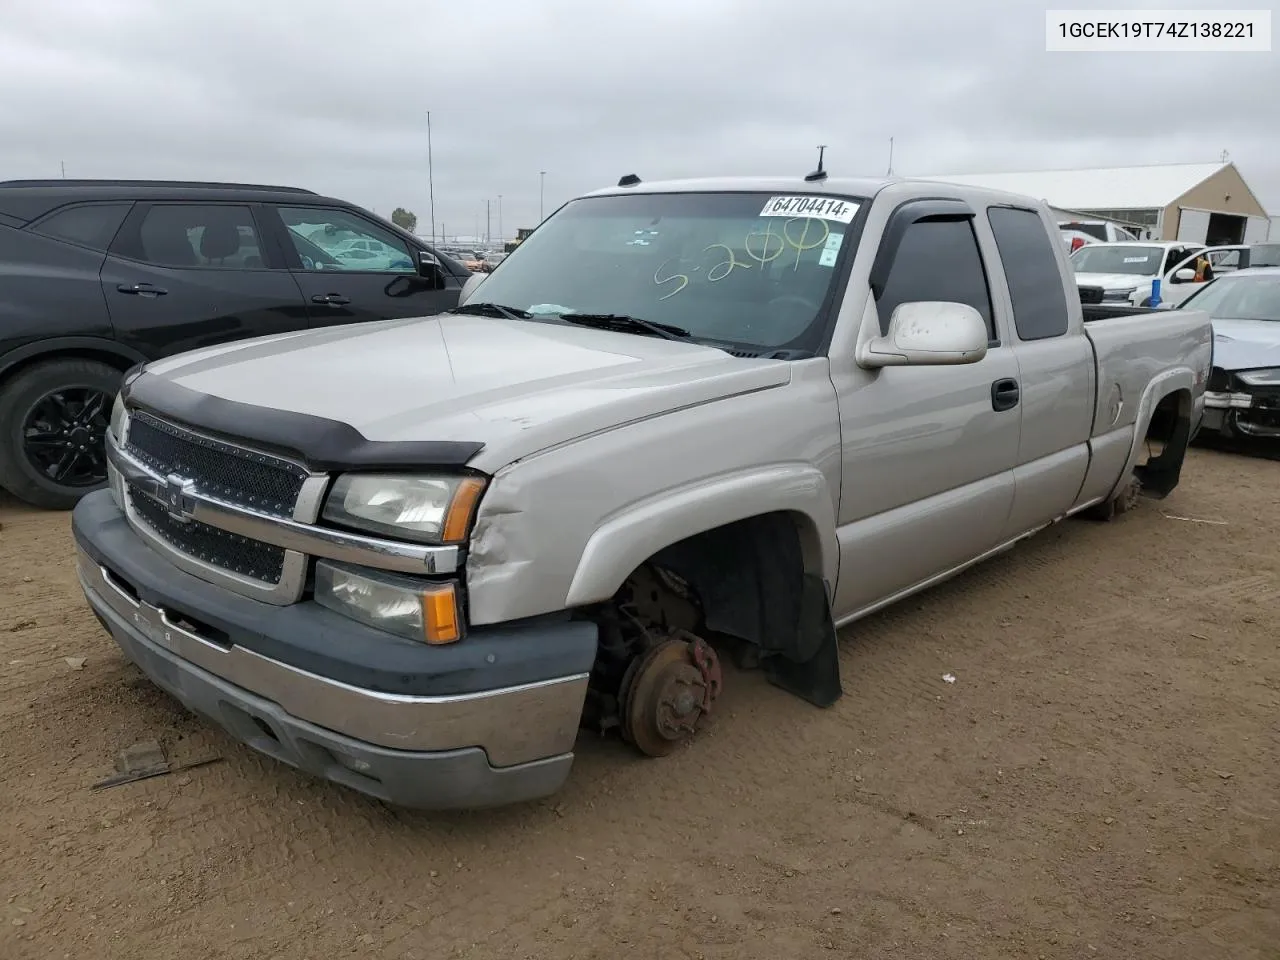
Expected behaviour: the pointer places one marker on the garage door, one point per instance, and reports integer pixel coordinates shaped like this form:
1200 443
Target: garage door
1193 225
1255 230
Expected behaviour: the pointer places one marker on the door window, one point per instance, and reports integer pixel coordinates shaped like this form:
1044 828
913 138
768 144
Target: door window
211 236
336 240
1036 290
937 260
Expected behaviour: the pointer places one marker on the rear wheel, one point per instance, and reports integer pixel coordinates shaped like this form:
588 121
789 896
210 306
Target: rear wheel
53 425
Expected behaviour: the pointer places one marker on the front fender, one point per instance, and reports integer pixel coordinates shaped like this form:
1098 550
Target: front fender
625 540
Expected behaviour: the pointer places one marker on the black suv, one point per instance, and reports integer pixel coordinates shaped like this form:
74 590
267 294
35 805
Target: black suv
99 275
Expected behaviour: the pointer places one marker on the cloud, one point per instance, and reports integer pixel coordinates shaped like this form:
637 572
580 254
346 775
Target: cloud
334 95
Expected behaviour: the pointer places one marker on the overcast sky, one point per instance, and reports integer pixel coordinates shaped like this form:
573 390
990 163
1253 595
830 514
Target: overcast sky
333 95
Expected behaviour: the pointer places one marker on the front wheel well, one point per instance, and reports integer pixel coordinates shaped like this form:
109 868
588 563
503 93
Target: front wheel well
755 584
113 360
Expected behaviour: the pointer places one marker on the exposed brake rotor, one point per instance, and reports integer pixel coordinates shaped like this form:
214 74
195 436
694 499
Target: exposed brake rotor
667 692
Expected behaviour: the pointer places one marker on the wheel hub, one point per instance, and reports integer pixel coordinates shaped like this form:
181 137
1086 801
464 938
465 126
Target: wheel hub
667 692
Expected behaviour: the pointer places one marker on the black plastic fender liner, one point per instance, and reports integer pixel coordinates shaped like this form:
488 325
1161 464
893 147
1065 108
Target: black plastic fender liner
751 581
812 669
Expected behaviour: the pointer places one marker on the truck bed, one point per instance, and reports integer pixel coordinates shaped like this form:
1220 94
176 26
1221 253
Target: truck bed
1133 348
1109 311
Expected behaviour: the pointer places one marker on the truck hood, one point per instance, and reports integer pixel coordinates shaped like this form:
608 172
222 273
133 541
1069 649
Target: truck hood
1112 281
1246 344
516 386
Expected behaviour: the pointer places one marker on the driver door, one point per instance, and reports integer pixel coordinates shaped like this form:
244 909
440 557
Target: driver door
351 269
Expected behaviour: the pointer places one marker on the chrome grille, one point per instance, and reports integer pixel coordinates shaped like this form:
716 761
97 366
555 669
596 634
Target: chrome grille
221 548
218 469
195 463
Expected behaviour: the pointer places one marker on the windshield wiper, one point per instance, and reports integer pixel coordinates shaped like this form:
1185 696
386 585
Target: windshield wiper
491 310
617 321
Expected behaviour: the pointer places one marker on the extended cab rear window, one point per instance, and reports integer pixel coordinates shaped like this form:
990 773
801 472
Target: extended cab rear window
1036 285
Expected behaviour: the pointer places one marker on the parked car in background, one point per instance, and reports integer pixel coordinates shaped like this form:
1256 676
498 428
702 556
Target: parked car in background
1073 240
97 276
1123 273
419 555
1244 385
1103 231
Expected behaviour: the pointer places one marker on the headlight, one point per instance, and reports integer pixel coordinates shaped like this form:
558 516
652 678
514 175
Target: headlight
409 608
1114 295
119 418
1260 378
422 509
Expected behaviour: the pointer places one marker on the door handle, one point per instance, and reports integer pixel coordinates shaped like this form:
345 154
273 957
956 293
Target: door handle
142 289
333 299
1004 394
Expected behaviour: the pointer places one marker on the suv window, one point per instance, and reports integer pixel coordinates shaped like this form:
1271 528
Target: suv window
218 236
335 240
93 226
937 260
1031 270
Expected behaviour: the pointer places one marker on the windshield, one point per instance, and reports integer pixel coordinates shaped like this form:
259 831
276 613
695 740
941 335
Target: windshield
1239 298
1100 258
748 269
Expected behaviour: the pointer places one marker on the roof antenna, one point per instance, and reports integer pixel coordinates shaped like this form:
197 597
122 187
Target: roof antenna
630 180
820 173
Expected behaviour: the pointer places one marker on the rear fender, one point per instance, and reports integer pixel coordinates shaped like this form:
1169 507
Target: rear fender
1161 386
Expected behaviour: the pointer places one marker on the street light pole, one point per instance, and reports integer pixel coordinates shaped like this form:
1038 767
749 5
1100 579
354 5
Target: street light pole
431 185
542 191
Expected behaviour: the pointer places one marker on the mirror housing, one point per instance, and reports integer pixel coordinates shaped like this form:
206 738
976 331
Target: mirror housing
928 333
430 270
1185 275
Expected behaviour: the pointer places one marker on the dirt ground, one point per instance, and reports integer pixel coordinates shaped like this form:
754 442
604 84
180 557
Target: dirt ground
1100 780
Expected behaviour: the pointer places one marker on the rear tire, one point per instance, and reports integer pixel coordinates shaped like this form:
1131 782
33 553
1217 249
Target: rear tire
1124 501
53 421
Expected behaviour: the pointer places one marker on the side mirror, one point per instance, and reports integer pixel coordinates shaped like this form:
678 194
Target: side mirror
928 333
429 269
473 281
1185 275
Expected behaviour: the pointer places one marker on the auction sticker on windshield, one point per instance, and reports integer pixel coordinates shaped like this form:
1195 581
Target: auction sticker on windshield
818 208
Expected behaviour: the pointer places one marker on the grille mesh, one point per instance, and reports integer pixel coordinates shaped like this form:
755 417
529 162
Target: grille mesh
250 558
221 470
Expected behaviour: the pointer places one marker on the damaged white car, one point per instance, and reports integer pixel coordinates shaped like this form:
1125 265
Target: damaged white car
1243 398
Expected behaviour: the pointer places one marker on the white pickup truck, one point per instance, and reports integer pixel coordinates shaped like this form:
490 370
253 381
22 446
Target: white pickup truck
680 419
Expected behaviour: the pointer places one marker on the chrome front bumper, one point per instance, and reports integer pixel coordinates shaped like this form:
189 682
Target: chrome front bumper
512 725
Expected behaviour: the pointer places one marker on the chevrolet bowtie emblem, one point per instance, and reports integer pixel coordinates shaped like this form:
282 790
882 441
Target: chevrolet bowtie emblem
177 499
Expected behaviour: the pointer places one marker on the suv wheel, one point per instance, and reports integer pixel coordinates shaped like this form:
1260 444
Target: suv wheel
53 425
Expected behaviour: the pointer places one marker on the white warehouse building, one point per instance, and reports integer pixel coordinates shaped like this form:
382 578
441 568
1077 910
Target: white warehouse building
1195 202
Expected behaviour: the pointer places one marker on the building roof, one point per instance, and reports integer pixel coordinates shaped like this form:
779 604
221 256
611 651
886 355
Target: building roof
1107 188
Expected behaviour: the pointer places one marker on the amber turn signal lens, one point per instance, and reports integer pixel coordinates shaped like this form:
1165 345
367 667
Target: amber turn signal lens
461 508
440 621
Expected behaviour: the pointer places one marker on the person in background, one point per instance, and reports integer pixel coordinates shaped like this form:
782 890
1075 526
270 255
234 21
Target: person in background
1204 269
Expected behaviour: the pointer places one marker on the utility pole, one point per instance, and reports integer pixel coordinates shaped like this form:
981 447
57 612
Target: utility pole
499 218
542 191
488 224
431 186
